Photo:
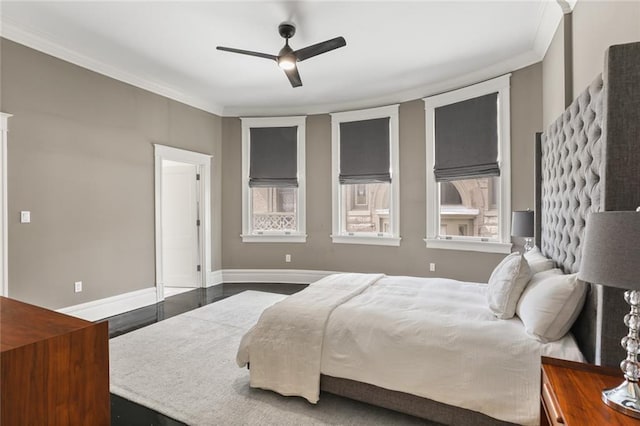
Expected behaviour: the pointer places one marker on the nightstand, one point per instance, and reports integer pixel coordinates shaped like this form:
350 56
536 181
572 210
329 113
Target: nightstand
571 395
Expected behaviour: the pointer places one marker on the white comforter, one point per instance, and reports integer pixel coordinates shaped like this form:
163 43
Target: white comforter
434 338
285 346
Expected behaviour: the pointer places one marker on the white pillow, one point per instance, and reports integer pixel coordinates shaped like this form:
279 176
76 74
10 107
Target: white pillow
550 304
506 284
537 261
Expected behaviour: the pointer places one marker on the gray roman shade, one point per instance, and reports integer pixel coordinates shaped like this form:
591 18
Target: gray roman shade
273 157
364 151
466 139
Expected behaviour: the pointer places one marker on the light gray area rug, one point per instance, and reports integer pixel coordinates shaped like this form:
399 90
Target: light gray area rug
184 367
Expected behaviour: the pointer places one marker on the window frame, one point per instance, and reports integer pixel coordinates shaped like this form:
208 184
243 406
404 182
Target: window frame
433 239
248 234
391 238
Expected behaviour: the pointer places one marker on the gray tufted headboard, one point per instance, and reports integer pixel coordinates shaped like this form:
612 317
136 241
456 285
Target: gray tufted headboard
589 161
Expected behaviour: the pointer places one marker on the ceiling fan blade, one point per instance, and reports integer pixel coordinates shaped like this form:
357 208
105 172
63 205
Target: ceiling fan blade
294 77
248 52
318 48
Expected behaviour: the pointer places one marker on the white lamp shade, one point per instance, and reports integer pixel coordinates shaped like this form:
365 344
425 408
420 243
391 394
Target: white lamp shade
611 250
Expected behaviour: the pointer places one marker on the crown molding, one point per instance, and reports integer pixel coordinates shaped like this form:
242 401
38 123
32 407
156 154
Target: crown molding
42 42
550 16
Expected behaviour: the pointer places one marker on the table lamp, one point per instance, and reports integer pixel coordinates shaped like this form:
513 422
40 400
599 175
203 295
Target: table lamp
522 224
611 257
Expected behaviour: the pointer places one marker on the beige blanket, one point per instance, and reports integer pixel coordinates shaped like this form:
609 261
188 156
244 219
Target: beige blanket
285 346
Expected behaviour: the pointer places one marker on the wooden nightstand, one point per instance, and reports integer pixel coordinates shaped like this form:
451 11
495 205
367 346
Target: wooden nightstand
571 395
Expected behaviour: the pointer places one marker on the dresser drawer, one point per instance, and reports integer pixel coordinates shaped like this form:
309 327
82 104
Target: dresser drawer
550 403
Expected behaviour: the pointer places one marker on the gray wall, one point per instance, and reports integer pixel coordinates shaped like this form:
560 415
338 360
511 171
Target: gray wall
85 170
412 257
596 26
80 159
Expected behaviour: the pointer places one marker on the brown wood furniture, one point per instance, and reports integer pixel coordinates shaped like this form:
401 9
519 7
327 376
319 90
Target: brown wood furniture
571 395
54 368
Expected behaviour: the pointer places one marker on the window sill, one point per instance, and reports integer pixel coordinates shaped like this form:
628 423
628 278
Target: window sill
361 239
481 246
274 238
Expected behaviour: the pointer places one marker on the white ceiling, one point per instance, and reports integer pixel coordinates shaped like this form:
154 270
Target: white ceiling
396 51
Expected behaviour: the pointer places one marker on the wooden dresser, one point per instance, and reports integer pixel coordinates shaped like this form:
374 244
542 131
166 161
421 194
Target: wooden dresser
54 368
571 395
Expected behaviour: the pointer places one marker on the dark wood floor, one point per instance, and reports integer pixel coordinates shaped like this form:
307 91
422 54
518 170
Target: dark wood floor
127 413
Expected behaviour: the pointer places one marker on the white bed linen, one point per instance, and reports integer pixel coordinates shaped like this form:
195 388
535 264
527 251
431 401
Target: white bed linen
438 339
435 338
285 346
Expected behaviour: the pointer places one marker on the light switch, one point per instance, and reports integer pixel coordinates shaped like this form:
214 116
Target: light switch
25 217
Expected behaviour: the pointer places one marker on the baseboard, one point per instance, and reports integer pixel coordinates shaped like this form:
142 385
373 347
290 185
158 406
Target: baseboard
286 276
114 305
104 308
214 278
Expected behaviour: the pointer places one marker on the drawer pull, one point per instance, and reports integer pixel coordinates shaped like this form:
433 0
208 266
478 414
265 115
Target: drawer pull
549 397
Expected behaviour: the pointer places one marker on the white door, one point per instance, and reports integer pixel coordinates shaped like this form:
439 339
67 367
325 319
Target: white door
180 242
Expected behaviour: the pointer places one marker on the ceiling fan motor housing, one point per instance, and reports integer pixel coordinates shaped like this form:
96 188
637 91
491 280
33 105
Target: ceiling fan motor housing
286 30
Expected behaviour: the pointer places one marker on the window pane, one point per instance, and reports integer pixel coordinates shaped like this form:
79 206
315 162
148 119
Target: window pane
365 207
274 209
469 208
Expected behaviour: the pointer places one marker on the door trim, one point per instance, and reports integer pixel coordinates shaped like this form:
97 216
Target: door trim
203 162
4 224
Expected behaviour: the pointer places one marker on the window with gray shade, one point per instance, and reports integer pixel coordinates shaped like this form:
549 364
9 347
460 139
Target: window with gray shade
466 139
364 151
273 157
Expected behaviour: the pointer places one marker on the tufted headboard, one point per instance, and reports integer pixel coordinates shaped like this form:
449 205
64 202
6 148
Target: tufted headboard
589 161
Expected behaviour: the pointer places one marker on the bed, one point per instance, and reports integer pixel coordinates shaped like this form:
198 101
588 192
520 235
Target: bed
586 160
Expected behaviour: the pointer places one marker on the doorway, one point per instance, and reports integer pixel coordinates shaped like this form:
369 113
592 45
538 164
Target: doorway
183 245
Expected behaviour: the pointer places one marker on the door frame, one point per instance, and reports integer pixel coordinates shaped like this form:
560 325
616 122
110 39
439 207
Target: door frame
203 163
4 224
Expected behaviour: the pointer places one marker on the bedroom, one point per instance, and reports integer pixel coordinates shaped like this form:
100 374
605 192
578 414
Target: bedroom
87 194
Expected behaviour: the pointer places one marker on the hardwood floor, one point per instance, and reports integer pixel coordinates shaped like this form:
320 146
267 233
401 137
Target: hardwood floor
128 413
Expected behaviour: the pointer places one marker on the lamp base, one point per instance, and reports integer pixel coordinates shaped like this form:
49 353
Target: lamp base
528 244
625 398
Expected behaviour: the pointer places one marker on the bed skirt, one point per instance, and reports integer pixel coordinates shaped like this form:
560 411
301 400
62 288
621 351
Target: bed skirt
407 403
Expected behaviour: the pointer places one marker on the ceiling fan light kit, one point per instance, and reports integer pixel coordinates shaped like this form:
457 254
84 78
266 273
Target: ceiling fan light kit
287 57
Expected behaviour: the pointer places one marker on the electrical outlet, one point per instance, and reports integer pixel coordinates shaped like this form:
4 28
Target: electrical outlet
287 258
78 286
432 267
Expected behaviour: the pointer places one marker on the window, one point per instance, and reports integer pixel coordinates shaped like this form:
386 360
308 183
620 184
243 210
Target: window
468 171
273 185
365 176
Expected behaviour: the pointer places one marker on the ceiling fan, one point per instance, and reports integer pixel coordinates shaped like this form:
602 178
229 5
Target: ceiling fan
287 57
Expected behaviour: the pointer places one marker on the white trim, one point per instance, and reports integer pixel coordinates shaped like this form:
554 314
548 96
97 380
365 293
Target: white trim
4 224
550 17
114 305
285 276
203 162
337 235
500 85
43 43
299 236
214 278
274 238
481 246
372 240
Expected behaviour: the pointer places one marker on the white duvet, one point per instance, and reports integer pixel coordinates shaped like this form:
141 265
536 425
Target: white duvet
435 338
